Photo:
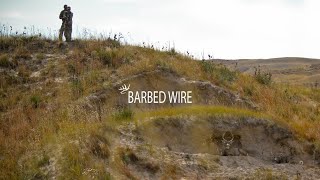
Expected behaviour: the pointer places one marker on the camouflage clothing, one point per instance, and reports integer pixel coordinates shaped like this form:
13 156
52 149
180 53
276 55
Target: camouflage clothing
63 17
68 25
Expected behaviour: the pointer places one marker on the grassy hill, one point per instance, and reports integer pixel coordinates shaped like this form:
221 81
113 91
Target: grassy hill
62 115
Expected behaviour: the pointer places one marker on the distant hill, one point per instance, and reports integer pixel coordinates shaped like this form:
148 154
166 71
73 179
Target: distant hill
292 70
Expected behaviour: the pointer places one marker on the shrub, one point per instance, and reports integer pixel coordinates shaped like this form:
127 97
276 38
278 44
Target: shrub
73 70
80 44
208 67
128 156
106 56
45 160
262 78
113 43
123 114
5 43
22 53
248 90
77 88
74 162
99 146
6 80
4 61
24 73
172 52
164 66
223 74
113 57
35 101
40 56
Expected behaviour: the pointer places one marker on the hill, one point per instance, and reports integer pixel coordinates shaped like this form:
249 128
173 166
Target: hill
62 116
298 71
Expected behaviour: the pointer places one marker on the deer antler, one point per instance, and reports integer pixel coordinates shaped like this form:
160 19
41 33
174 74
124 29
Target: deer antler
227 142
124 89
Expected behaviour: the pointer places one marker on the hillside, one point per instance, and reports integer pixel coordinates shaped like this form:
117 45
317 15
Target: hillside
298 71
63 117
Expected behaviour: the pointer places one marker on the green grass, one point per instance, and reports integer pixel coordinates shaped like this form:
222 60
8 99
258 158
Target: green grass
123 114
221 73
268 174
35 101
198 110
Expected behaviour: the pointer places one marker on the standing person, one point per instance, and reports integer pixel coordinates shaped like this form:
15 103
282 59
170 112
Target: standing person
63 17
68 25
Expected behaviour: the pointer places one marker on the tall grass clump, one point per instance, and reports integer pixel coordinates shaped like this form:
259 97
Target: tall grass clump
263 77
221 73
123 114
107 57
5 61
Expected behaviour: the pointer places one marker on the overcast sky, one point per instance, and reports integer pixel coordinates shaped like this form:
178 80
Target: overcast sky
229 29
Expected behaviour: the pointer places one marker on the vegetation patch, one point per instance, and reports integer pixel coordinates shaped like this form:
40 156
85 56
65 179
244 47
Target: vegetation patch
4 61
22 53
222 74
123 114
198 110
83 151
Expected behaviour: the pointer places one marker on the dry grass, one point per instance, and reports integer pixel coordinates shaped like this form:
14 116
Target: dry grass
4 61
294 105
268 174
22 53
35 113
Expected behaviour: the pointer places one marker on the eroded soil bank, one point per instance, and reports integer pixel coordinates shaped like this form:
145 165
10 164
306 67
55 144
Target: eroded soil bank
218 147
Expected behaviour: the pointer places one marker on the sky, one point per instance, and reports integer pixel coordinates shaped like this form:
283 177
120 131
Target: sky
228 29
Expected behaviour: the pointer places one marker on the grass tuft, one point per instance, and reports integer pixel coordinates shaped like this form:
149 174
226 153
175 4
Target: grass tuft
4 61
123 114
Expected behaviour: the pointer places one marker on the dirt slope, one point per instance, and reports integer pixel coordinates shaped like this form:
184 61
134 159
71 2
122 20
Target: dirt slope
194 145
